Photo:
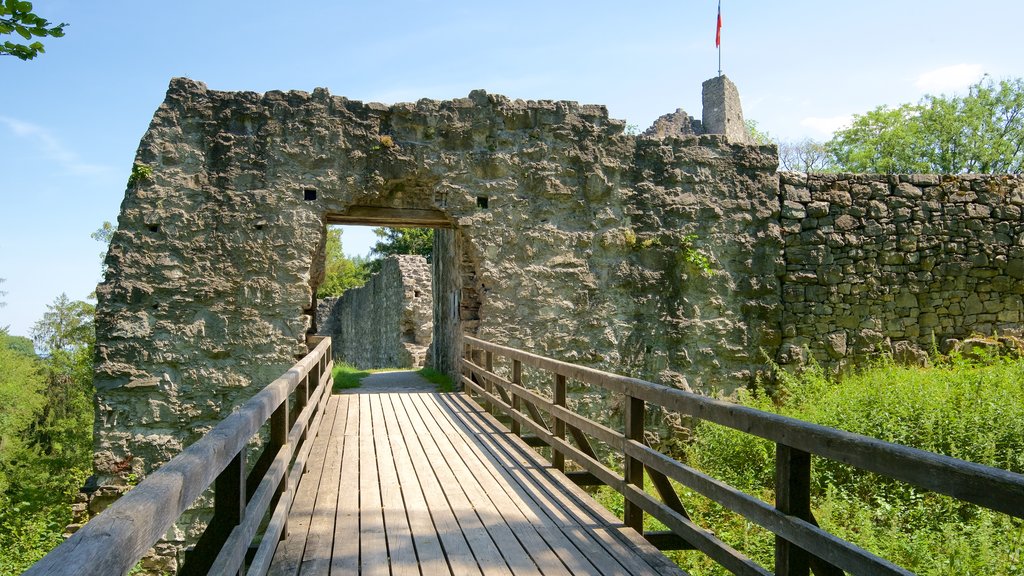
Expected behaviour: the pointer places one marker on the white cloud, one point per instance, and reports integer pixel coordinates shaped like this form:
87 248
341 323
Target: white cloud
51 147
949 78
826 126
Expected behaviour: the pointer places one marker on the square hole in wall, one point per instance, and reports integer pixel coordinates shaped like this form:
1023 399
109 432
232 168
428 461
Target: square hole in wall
481 202
309 194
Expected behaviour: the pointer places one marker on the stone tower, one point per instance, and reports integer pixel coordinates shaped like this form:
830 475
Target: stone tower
722 111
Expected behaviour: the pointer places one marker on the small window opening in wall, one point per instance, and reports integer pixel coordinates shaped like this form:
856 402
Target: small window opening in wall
309 194
154 227
481 202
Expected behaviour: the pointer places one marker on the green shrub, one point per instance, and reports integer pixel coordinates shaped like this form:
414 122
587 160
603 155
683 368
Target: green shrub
962 408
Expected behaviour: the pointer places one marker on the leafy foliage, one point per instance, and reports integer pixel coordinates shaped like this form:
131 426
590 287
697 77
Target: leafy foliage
16 17
757 135
45 430
404 241
982 132
104 234
884 140
140 173
962 408
341 272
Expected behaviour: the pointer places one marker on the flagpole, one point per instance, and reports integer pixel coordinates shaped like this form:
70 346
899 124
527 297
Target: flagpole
718 37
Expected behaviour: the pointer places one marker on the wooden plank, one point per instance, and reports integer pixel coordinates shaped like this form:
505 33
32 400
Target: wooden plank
792 497
557 458
456 547
633 468
345 556
401 549
316 558
573 507
505 500
373 546
486 544
386 216
288 558
429 553
579 559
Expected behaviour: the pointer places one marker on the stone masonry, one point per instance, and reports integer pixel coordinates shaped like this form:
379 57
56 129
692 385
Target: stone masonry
898 264
386 323
568 238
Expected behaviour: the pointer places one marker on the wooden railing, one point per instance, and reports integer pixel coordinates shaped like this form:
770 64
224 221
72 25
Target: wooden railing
115 540
800 545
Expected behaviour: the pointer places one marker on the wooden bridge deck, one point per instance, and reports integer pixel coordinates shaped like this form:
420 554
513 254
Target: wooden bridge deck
427 483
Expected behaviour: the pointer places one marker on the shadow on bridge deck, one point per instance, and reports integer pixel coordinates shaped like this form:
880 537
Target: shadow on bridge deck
405 480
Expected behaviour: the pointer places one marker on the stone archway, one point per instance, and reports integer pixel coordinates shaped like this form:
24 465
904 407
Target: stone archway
566 235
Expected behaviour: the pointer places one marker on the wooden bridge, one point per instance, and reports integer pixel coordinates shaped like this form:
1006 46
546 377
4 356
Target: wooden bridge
405 481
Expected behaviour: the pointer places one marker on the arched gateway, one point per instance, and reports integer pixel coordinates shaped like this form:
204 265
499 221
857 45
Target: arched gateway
560 233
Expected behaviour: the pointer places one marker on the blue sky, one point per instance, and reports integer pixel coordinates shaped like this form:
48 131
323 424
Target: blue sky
70 120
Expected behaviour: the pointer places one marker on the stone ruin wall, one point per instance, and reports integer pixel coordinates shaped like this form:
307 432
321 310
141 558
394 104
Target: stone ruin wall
898 264
567 237
386 323
212 271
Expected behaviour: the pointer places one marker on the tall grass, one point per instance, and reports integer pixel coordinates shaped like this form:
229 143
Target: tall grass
968 409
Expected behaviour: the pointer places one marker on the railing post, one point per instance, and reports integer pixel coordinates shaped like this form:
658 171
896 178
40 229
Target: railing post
488 385
517 378
228 511
634 469
301 399
314 376
278 439
557 457
792 497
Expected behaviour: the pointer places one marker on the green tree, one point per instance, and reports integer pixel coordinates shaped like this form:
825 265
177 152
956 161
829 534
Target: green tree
884 140
66 334
45 430
16 17
982 132
757 136
341 272
21 394
104 234
404 241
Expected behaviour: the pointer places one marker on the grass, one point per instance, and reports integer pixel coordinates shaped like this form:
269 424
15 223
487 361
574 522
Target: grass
442 381
966 408
347 376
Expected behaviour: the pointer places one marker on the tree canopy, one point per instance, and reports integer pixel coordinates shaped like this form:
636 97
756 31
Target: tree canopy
16 17
45 430
982 132
341 272
404 241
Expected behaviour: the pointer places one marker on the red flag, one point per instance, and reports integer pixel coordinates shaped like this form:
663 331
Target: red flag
718 31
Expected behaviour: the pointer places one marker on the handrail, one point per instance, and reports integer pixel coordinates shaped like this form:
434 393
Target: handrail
115 540
799 541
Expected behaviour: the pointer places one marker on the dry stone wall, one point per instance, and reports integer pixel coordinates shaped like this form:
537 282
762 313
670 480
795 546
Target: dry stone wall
898 264
386 323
